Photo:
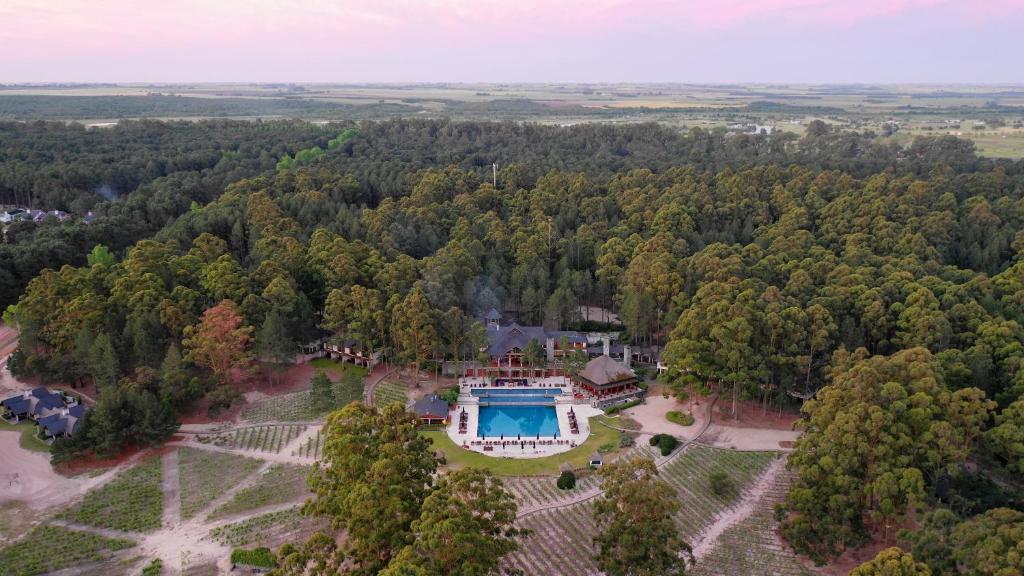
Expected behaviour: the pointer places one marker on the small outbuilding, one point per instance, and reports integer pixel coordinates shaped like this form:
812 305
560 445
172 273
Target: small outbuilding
431 409
596 460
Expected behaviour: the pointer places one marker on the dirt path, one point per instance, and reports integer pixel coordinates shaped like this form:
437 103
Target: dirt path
171 488
267 456
706 540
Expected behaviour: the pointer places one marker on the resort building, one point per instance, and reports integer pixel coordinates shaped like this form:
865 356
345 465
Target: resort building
431 409
507 350
354 352
606 381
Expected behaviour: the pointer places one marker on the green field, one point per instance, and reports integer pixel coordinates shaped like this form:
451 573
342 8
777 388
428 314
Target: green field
577 457
50 548
132 502
390 391
205 475
279 484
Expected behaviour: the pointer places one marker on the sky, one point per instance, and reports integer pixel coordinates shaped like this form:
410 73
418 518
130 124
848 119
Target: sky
694 41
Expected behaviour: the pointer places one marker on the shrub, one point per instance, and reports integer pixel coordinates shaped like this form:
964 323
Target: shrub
221 398
681 418
606 448
154 568
261 557
450 395
625 441
721 484
566 480
665 442
620 407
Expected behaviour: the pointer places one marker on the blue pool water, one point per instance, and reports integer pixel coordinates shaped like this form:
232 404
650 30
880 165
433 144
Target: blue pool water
521 396
528 421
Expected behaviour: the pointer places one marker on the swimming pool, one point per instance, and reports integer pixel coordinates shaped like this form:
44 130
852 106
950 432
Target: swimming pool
510 421
519 397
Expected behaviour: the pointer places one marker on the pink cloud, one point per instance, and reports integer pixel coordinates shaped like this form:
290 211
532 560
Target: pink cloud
41 35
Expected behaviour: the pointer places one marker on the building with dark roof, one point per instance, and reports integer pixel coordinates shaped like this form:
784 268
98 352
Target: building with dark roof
431 409
506 347
55 414
608 381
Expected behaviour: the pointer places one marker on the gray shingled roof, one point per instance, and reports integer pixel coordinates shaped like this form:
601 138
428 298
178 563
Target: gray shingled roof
431 406
512 336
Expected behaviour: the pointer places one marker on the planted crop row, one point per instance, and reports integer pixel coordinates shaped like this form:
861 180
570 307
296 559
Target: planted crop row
132 502
205 475
279 484
268 529
538 490
559 543
50 548
265 438
390 391
294 407
688 474
311 448
751 546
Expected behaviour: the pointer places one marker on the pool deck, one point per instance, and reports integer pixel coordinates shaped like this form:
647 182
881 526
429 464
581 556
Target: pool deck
526 447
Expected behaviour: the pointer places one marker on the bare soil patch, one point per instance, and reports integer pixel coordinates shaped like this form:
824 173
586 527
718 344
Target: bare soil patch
752 415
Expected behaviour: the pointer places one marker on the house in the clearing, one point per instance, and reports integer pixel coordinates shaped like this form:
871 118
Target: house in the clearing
431 409
31 404
355 352
62 424
55 414
506 350
596 460
606 382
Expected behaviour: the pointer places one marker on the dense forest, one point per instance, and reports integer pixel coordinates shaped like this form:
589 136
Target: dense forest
880 287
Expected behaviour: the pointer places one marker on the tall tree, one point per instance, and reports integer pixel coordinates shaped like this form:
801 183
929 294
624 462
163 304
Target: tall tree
274 342
372 480
412 327
892 562
464 529
637 535
220 342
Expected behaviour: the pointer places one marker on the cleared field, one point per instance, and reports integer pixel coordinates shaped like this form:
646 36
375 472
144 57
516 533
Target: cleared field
294 407
49 548
279 484
132 502
259 438
205 475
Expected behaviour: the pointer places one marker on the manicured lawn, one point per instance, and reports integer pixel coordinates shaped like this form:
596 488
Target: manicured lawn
335 367
577 457
28 440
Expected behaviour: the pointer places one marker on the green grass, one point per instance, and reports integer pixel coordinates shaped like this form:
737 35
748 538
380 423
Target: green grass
28 440
50 548
281 483
390 391
577 457
205 475
132 502
677 417
334 367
